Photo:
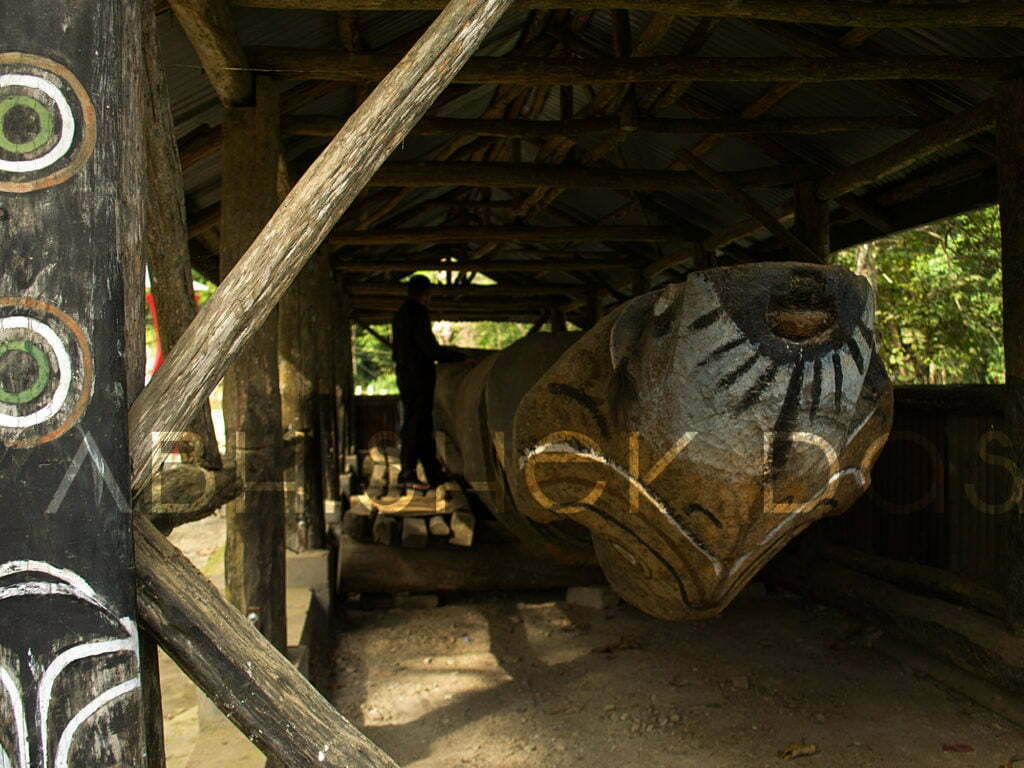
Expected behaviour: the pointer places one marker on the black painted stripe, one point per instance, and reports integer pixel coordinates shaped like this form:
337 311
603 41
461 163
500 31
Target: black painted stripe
837 367
730 378
758 387
816 388
582 398
719 351
707 319
858 359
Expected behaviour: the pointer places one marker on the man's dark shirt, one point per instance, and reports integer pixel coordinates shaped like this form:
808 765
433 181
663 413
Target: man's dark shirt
415 348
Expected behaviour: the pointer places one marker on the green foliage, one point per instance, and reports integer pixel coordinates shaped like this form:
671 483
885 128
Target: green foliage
375 370
939 293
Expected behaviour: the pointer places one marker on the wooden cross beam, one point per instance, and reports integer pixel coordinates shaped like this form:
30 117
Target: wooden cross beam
520 234
841 13
307 64
922 144
465 292
325 125
506 265
210 29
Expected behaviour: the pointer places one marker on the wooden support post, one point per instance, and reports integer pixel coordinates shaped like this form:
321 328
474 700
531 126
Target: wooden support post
326 332
254 557
754 208
344 373
166 238
557 320
297 373
1010 130
69 646
811 226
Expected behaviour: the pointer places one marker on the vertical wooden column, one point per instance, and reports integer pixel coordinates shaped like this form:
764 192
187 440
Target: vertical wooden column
327 330
297 375
166 233
254 558
67 583
557 320
811 225
1010 130
344 374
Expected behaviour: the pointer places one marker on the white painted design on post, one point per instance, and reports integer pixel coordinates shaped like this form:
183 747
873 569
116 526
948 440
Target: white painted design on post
67 127
68 584
58 665
90 709
13 690
60 352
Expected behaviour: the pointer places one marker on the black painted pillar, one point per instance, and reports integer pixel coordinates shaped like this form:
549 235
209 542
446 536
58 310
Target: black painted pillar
69 661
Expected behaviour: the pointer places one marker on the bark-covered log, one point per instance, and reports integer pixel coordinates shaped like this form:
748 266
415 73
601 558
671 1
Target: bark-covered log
973 641
842 13
310 64
259 689
687 436
481 567
921 578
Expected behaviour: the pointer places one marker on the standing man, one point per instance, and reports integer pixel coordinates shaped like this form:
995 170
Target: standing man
415 351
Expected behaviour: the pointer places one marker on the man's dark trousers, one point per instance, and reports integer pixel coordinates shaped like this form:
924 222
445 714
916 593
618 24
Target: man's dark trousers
416 389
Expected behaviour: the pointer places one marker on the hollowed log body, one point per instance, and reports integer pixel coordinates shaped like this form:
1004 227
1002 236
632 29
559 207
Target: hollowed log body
686 437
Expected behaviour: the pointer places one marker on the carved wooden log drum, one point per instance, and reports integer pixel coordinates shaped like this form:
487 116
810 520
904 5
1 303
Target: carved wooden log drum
687 436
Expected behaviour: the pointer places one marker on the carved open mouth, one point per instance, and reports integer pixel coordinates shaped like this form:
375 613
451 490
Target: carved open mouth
804 312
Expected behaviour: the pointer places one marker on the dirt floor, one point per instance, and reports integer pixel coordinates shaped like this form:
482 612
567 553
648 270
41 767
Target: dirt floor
500 682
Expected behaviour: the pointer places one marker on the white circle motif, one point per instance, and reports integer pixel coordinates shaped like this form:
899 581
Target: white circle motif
67 119
60 352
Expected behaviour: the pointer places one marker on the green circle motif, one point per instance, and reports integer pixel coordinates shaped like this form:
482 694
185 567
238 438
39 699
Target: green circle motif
45 125
35 389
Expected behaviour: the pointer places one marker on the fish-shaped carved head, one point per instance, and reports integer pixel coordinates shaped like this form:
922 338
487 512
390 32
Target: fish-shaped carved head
698 428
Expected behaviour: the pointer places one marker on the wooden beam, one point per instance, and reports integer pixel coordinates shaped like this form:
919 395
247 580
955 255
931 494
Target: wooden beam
466 292
247 295
935 138
529 175
1010 132
254 554
811 222
506 265
520 234
71 231
210 29
840 13
325 125
307 64
260 689
754 208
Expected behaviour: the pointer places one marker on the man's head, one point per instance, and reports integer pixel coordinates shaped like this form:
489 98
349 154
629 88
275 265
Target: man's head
419 287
